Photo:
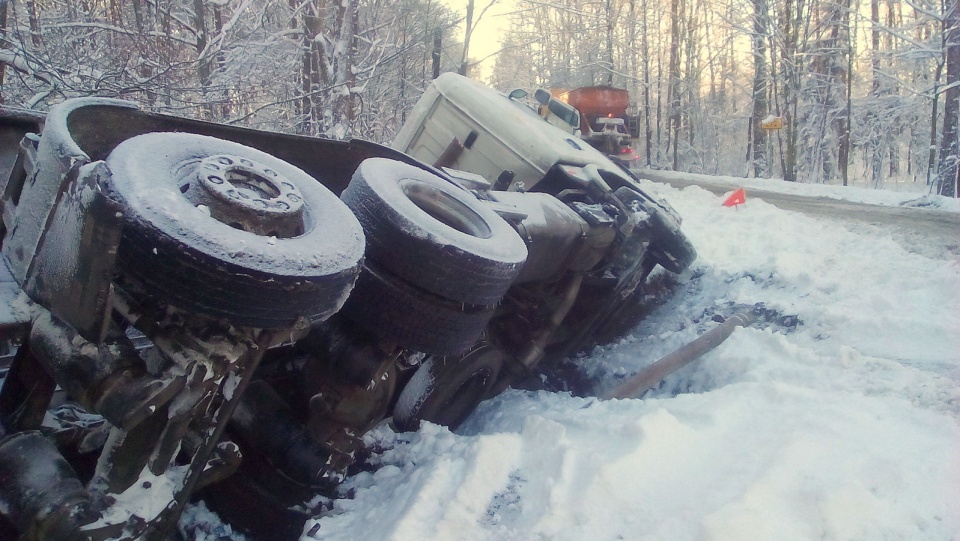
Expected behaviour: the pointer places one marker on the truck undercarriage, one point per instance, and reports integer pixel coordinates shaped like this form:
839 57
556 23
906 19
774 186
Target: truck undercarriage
198 310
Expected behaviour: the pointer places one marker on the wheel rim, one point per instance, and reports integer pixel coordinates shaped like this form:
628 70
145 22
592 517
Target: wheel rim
446 209
243 194
178 250
464 400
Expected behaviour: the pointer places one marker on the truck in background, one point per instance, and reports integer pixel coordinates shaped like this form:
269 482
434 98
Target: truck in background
604 121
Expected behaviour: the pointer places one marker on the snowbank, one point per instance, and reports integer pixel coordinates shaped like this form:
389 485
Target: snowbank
906 194
842 427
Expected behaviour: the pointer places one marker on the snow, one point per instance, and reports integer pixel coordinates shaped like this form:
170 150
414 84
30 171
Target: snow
149 496
904 194
200 524
844 426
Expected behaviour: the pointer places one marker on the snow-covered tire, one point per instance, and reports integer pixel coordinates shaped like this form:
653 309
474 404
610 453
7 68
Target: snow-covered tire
446 390
393 310
178 253
669 247
433 234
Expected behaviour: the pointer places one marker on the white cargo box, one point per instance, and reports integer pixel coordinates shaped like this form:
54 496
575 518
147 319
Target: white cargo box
498 134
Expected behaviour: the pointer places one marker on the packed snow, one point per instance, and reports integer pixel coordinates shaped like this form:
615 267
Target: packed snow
835 417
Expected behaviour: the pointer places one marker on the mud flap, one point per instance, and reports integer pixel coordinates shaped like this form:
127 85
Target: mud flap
72 269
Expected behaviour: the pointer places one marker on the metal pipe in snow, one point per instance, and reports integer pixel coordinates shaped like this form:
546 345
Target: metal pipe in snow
656 372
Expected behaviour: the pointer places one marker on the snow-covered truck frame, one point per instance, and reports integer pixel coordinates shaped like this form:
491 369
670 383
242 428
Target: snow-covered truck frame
194 310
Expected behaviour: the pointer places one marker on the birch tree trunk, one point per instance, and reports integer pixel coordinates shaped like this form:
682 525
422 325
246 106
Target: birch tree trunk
645 51
673 128
843 153
4 4
203 64
950 140
468 32
758 136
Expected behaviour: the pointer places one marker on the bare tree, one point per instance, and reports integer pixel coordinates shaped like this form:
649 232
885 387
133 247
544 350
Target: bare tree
950 140
757 147
674 117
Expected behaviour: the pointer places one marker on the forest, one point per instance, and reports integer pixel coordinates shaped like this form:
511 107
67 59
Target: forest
867 91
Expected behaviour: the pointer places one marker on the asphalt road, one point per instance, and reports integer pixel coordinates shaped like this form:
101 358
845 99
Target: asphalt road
934 233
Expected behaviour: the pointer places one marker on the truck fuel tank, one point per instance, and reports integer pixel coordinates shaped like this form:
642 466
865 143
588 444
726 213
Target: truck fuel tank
559 239
551 230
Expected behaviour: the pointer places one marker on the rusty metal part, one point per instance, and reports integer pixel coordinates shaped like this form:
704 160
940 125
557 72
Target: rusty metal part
211 396
450 154
647 378
337 405
223 462
349 382
345 352
39 491
539 342
108 379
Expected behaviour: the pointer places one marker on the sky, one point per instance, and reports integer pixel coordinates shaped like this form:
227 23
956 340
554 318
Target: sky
487 34
836 417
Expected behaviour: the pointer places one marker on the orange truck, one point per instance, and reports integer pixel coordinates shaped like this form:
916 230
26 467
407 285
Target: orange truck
603 120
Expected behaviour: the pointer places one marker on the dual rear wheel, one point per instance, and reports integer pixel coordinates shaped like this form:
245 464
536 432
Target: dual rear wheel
227 231
437 260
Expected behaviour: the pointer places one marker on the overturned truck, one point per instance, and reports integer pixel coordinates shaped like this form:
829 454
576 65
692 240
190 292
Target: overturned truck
198 310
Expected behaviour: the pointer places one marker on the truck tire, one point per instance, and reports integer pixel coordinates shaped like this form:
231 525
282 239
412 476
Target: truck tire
446 390
229 263
395 311
669 247
433 234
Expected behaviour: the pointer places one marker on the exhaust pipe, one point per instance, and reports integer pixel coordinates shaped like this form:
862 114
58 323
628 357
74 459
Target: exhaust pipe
649 377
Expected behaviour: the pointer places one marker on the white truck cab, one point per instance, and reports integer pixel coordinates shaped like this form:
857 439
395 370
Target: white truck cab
487 133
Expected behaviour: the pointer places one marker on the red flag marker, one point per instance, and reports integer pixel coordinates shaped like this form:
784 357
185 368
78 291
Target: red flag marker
738 197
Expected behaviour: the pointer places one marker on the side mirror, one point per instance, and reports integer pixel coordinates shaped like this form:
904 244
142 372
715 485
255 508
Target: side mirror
518 94
542 96
565 111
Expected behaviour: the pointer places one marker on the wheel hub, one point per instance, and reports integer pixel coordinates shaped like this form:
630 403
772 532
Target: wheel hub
250 196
